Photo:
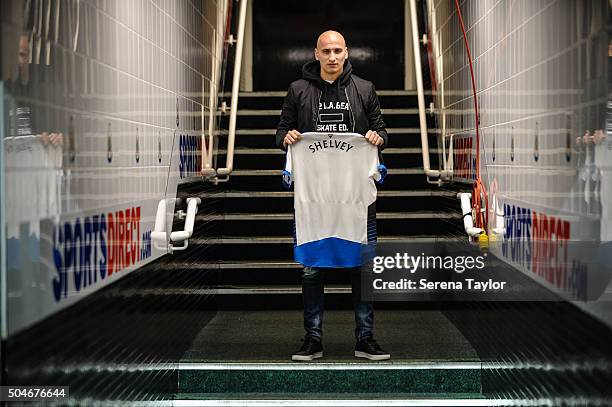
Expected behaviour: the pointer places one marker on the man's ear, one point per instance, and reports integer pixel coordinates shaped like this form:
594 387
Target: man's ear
316 54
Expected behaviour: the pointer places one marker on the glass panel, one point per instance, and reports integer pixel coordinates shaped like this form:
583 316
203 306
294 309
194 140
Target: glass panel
3 260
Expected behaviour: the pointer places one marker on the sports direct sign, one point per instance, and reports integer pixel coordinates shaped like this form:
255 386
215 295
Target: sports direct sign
88 250
53 263
560 252
70 231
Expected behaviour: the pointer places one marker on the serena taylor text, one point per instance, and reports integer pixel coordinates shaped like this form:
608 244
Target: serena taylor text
424 284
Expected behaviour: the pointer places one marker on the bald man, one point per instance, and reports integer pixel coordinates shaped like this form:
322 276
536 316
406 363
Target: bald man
330 73
328 88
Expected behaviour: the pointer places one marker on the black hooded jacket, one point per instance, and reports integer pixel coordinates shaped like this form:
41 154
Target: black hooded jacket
300 108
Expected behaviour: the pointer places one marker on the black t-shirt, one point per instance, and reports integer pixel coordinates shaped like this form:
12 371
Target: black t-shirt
335 114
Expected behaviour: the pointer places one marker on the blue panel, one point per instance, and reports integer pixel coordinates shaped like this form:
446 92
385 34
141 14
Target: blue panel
333 252
287 181
382 169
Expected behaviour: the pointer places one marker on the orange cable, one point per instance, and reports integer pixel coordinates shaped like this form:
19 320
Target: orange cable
479 192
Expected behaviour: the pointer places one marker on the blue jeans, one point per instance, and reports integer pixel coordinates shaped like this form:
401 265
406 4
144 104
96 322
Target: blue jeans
312 294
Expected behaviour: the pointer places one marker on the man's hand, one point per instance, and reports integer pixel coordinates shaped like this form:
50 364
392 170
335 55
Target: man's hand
374 138
54 139
292 137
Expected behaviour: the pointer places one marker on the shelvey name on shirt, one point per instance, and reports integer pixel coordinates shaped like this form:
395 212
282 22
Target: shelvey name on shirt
323 144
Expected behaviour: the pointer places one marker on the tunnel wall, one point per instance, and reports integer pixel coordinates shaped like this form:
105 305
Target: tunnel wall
127 84
542 72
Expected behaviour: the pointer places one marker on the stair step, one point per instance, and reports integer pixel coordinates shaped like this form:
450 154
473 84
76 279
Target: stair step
289 216
244 273
256 173
395 118
247 351
271 180
277 151
252 290
276 160
232 201
283 93
275 112
418 379
289 194
271 121
272 131
231 290
274 99
262 135
239 265
345 400
289 240
219 247
261 224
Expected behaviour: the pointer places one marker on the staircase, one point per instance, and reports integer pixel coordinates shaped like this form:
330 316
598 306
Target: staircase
249 220
217 323
244 234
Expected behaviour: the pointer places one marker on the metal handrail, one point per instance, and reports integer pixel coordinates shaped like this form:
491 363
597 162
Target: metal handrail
439 175
447 164
229 163
466 208
420 96
192 209
207 168
160 236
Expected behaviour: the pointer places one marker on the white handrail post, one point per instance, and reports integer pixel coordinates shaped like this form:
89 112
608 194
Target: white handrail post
159 235
229 164
447 166
207 170
162 239
419 83
420 97
466 208
187 232
204 152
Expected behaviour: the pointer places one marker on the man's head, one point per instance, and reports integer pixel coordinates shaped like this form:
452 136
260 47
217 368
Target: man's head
23 59
331 51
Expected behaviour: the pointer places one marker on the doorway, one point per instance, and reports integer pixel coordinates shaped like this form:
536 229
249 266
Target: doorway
285 34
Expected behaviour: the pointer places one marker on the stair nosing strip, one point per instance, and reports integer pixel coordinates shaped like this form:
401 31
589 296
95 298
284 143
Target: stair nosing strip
384 111
289 216
269 291
289 194
389 365
230 265
244 290
362 402
415 131
283 93
289 240
277 151
263 173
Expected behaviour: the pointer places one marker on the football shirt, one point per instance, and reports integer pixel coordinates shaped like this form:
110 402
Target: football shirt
334 198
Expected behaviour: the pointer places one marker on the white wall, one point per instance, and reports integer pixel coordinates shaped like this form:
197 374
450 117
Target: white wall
543 79
124 83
